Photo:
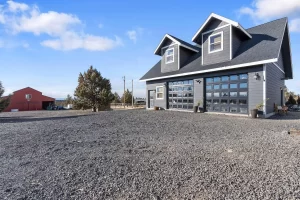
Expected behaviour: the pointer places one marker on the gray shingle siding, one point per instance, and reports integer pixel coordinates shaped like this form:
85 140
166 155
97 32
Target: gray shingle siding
220 56
170 66
236 41
255 90
280 61
273 84
213 24
162 103
185 55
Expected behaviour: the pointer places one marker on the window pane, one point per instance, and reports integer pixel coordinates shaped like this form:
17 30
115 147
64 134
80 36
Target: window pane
233 86
170 95
242 102
217 79
185 89
225 94
232 101
224 101
186 82
244 76
190 106
170 100
216 108
179 100
243 94
191 101
243 110
169 59
216 101
179 94
233 110
208 94
185 95
209 80
233 77
208 101
179 106
215 47
170 52
208 87
215 38
184 106
174 106
224 78
191 82
180 88
159 89
233 94
159 95
216 87
216 94
243 85
190 88
224 109
184 100
190 95
174 95
224 86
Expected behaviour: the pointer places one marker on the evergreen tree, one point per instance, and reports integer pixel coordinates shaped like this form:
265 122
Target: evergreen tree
291 100
298 100
69 99
117 98
128 97
4 102
93 91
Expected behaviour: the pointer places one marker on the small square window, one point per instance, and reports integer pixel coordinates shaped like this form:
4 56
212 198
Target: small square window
209 80
242 102
217 79
232 101
208 95
216 94
215 42
224 101
243 110
233 109
233 86
225 78
216 87
243 85
233 77
243 94
215 101
243 76
233 94
225 94
208 87
224 86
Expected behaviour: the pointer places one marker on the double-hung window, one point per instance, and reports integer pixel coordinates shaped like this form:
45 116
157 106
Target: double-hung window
215 42
159 92
169 55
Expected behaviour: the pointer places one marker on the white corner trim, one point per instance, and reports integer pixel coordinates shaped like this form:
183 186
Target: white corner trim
231 44
178 57
204 33
215 69
278 67
159 92
213 15
264 89
202 50
222 41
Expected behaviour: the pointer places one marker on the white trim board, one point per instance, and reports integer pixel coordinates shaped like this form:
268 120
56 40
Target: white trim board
204 33
231 44
175 41
215 69
213 15
278 67
264 89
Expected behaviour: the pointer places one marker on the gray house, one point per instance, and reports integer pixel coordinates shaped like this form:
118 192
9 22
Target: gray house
229 69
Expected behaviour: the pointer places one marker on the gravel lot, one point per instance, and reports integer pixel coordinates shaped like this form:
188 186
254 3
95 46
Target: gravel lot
138 154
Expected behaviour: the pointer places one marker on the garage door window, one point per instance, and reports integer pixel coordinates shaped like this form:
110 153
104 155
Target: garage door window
227 93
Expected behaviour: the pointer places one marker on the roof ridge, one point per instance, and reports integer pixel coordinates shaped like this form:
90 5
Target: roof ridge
267 22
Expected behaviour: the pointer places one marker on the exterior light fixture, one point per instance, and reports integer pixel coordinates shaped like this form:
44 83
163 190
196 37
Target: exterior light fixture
256 76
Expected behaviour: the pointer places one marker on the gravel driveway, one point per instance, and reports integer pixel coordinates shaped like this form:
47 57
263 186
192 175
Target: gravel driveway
138 154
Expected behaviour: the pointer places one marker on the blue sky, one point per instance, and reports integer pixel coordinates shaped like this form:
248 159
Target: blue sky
45 45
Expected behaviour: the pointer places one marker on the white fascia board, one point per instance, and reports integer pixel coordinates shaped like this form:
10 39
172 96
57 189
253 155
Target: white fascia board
215 69
229 21
166 36
278 67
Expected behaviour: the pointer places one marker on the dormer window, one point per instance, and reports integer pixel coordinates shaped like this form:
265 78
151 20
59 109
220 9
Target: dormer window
169 56
215 42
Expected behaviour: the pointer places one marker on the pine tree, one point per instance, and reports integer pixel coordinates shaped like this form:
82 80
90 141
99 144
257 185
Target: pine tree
298 100
117 98
4 102
93 91
69 99
291 100
128 97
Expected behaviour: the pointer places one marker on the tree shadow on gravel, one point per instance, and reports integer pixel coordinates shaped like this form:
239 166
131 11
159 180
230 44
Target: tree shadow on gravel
34 119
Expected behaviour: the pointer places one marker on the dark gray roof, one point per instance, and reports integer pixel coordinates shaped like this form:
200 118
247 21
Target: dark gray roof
185 43
264 45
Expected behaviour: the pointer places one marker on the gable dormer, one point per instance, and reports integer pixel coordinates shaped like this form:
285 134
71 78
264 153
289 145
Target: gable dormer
220 38
174 53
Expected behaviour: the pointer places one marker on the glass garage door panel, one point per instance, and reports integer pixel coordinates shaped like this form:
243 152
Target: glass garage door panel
181 95
227 94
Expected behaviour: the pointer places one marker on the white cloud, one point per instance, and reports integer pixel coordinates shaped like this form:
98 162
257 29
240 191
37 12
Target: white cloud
268 9
134 34
62 28
15 7
72 40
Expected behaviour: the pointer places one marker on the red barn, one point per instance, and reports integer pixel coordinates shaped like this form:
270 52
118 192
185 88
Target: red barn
37 100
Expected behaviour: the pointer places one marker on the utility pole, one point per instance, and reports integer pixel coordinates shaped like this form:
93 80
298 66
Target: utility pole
124 91
132 93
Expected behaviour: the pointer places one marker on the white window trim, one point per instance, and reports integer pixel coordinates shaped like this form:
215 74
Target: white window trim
209 51
166 56
159 92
